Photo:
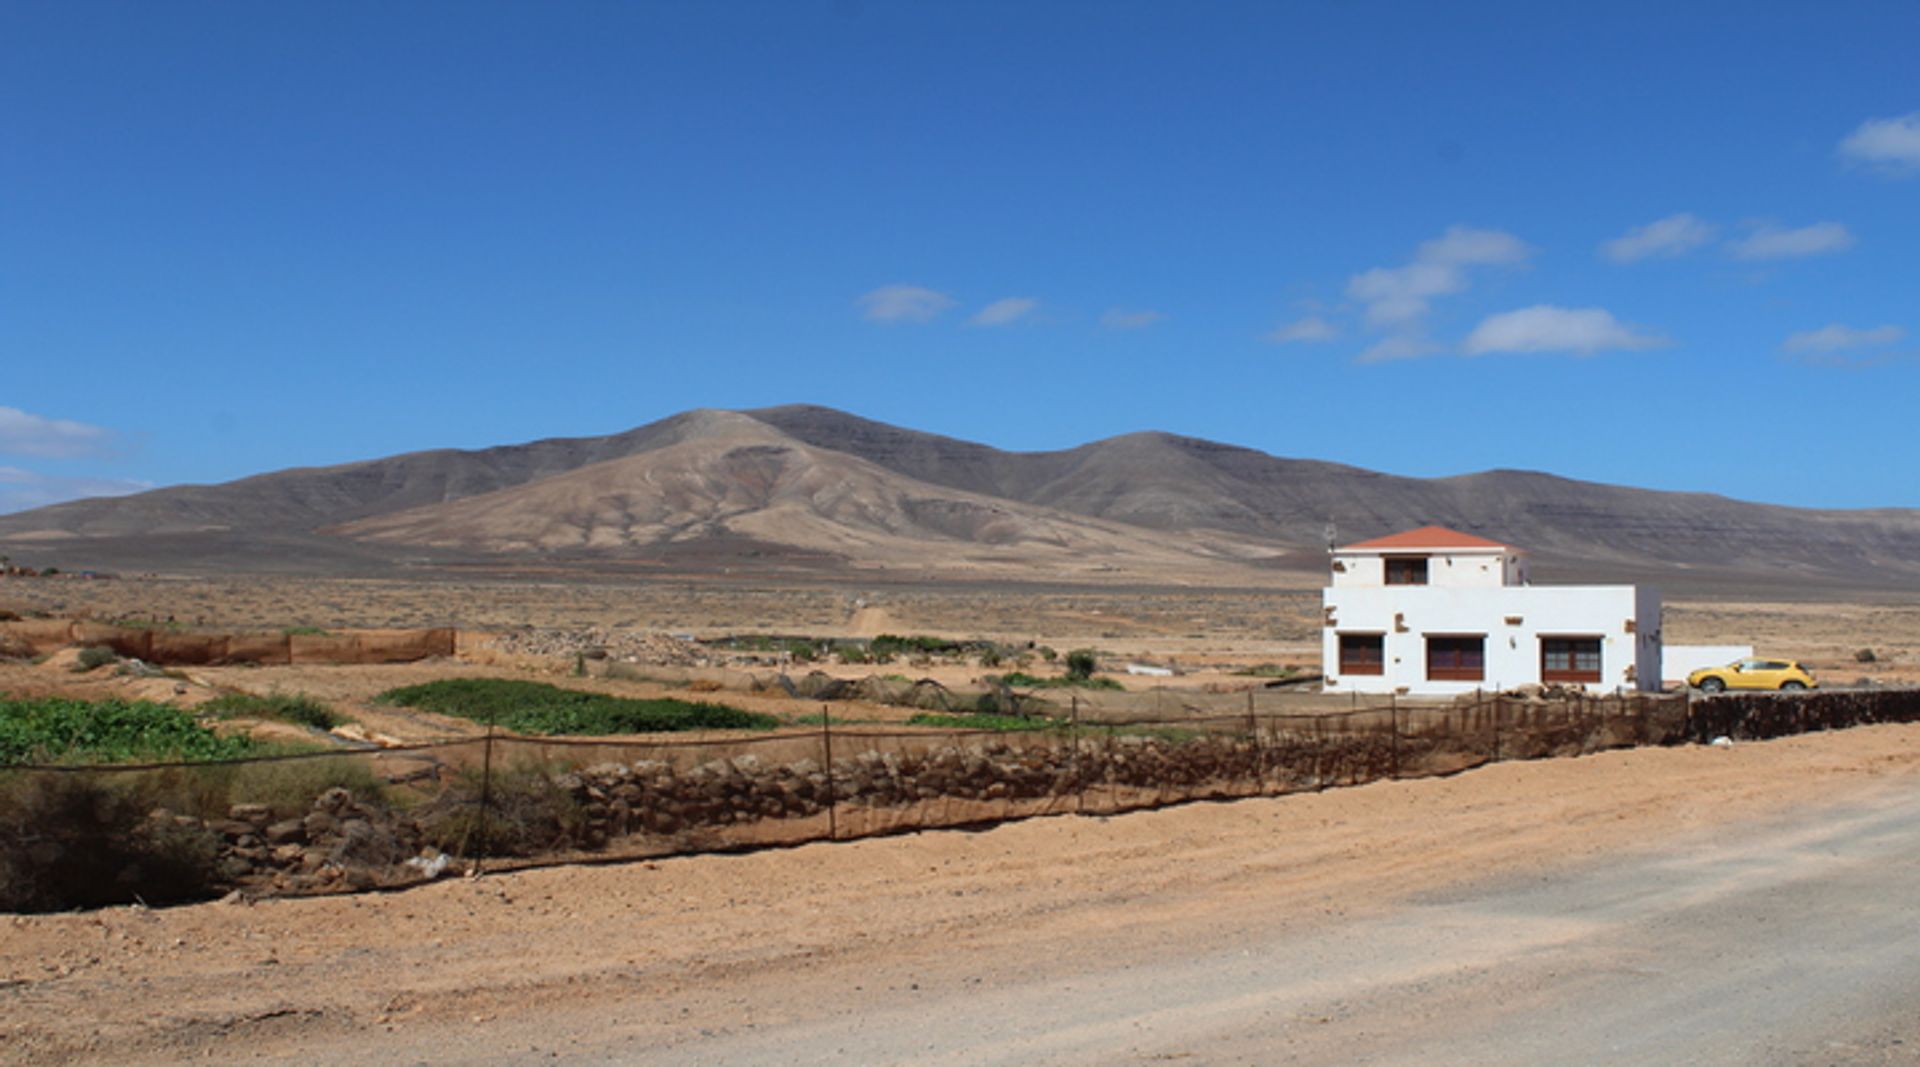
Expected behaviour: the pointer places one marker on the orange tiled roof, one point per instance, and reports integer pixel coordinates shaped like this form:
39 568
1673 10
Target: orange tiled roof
1427 537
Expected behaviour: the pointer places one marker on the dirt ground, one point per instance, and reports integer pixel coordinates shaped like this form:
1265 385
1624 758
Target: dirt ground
706 959
1206 634
735 958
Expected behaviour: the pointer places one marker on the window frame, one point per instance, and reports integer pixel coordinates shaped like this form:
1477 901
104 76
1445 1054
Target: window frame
1573 647
1411 569
1351 666
1455 667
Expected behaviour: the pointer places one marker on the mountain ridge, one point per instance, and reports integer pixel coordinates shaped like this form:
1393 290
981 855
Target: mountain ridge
844 491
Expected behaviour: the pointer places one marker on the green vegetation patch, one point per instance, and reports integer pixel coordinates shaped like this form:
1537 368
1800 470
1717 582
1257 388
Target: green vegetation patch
538 708
1022 680
54 730
299 709
1009 723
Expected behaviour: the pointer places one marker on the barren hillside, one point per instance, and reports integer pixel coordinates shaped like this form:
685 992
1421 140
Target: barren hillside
821 489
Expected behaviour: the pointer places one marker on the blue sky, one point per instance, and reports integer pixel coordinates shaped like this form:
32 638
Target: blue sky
1666 245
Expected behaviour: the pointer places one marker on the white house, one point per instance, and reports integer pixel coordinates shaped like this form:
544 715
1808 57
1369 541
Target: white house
1435 612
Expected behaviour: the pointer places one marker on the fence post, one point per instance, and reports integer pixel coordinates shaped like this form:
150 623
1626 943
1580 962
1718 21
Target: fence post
1079 783
826 742
486 794
1393 720
1319 753
1259 750
1496 727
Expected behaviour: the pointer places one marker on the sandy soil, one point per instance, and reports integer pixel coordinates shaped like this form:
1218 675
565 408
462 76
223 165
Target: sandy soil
682 960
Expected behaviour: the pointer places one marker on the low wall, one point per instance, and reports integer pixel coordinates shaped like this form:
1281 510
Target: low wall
194 649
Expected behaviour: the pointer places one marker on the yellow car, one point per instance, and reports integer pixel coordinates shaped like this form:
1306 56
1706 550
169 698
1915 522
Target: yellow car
1752 674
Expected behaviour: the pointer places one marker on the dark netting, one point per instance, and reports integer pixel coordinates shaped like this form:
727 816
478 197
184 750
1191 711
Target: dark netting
311 822
335 821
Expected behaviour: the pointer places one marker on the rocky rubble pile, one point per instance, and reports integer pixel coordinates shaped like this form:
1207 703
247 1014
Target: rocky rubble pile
338 844
625 646
652 797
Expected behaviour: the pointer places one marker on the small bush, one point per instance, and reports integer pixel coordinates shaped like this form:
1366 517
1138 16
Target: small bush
852 652
890 645
298 709
1028 681
1865 655
76 841
94 657
981 721
537 708
527 814
1081 663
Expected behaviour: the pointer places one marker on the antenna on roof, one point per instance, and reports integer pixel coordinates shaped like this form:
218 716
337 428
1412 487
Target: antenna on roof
1333 537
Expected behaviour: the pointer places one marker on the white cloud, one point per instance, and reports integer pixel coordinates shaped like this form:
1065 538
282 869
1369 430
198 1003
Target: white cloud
1674 235
1891 145
1768 241
25 434
1545 328
1396 297
1835 338
1129 319
1310 329
1002 312
1398 346
904 303
22 490
1467 246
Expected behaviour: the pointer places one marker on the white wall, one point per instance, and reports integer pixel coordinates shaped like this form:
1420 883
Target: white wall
1481 569
1682 660
1512 618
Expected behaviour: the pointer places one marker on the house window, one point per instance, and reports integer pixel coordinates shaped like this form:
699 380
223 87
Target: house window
1406 570
1457 659
1570 659
1363 654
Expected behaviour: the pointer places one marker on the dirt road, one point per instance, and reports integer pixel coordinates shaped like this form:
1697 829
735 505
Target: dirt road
1698 905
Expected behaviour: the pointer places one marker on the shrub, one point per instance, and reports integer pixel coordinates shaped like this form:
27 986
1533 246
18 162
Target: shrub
1081 663
1028 681
981 721
81 731
852 652
527 814
78 841
537 708
94 656
299 709
1865 655
890 645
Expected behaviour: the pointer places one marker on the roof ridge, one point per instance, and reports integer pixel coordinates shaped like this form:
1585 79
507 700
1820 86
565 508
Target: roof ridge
1428 537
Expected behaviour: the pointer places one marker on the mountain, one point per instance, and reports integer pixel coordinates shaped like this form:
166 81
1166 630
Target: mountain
822 491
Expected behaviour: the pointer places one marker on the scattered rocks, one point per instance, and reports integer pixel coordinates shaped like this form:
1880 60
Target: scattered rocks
599 643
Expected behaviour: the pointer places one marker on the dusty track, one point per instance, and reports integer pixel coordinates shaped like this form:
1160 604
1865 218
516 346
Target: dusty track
1057 940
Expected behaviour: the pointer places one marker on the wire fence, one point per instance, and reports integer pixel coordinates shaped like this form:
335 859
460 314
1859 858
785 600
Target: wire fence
335 821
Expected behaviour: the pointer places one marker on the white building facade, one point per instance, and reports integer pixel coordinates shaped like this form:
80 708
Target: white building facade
1438 612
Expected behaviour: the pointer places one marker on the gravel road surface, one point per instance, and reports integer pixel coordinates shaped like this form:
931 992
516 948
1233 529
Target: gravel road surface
1758 904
